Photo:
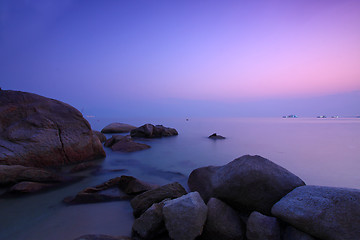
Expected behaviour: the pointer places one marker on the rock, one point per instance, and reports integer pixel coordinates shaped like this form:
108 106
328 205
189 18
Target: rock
101 237
100 135
150 224
200 181
29 187
82 167
16 173
292 233
117 128
261 227
143 201
134 186
124 144
323 212
215 136
37 131
247 183
151 131
108 191
222 222
185 216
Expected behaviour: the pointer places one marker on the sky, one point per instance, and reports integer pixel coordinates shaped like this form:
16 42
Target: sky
185 58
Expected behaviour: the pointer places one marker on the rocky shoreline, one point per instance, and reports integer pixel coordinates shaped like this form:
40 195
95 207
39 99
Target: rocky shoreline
249 198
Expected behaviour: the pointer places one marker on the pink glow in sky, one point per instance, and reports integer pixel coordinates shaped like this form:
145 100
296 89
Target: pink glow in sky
190 50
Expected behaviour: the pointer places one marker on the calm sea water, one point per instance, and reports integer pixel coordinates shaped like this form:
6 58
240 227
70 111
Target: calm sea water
320 151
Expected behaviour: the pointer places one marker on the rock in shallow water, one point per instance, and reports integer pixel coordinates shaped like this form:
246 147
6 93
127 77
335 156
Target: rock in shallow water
216 136
124 144
151 131
29 187
39 131
247 183
324 212
117 128
185 216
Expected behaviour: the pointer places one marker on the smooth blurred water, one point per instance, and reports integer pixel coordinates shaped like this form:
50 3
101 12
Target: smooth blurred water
320 151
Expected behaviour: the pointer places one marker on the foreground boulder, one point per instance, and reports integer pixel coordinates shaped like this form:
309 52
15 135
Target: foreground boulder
39 131
248 183
124 144
292 233
261 227
117 128
143 201
151 131
100 135
134 186
222 222
16 173
324 212
185 216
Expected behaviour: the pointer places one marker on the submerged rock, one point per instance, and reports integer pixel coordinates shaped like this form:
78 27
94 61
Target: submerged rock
222 222
215 136
16 173
324 212
100 135
117 128
151 131
29 187
39 131
124 144
247 183
261 227
143 201
185 216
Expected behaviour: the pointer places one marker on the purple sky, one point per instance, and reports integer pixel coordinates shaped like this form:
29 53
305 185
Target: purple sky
185 58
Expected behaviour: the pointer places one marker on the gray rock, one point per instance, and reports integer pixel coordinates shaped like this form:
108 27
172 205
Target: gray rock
117 128
185 216
37 131
324 212
261 227
134 186
16 173
222 222
292 233
247 183
143 201
150 224
151 131
100 135
200 180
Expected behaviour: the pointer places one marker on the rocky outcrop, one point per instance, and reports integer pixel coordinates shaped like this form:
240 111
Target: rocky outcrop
185 216
16 173
247 183
222 222
124 144
216 136
151 131
134 186
142 202
324 212
38 131
261 227
117 128
100 135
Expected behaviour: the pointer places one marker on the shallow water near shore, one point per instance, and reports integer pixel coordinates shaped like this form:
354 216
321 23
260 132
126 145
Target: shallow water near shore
320 151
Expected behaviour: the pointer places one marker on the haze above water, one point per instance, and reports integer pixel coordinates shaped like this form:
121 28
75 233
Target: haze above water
320 151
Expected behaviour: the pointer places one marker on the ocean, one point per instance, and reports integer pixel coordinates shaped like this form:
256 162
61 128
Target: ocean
320 151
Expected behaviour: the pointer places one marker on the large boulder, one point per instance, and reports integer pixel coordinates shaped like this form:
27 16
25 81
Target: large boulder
222 222
248 183
324 212
185 216
261 227
143 201
292 233
16 173
151 131
39 131
124 144
117 128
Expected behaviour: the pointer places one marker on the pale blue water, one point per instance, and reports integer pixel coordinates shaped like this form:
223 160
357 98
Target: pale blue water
320 151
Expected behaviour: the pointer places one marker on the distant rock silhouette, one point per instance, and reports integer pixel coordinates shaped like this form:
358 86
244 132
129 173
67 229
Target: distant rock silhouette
215 136
117 128
151 131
